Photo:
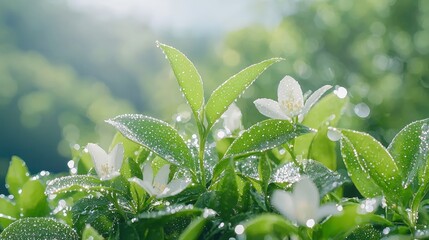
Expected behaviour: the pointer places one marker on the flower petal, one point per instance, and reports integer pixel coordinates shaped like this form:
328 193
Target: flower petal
232 118
306 199
148 173
283 202
270 108
161 177
174 187
99 158
145 185
314 98
290 98
116 156
326 210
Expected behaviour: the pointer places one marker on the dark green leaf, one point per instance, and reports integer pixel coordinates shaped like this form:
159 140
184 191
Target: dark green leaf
232 88
371 168
188 78
89 233
156 135
131 169
38 228
325 179
97 212
264 135
17 175
170 213
33 201
264 169
227 191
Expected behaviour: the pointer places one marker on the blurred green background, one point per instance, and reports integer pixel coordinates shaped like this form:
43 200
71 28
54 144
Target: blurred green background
67 65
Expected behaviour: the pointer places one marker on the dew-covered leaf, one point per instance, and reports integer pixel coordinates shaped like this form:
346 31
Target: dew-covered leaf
33 201
188 78
286 174
327 112
169 213
325 179
156 135
367 232
76 183
97 212
89 233
8 212
269 226
17 175
351 217
410 150
131 149
38 228
371 167
232 88
264 135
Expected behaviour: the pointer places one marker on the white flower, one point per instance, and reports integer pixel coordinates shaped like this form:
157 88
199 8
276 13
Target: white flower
290 101
106 165
158 186
232 118
302 205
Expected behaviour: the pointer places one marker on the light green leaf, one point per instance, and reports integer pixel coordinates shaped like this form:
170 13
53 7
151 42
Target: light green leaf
341 225
188 78
131 149
8 212
33 201
264 135
264 170
156 135
227 191
89 233
317 146
371 167
38 228
194 229
410 150
232 88
17 175
268 225
155 218
131 169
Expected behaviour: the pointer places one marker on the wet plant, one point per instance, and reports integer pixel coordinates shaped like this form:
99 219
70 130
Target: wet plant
214 179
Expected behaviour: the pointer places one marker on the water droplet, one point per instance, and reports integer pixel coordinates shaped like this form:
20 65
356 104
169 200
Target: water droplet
362 110
333 134
310 223
341 92
239 229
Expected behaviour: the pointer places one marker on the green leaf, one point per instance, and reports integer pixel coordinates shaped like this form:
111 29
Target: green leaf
76 183
156 135
341 225
8 212
264 135
194 229
17 175
325 179
317 146
131 169
367 232
33 201
410 150
89 233
131 149
96 211
232 88
269 226
371 167
227 191
38 228
188 78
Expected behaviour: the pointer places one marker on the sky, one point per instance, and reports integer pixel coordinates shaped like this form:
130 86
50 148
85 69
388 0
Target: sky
181 16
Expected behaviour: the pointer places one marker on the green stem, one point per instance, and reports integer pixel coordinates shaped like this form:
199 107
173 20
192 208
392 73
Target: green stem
202 144
115 202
